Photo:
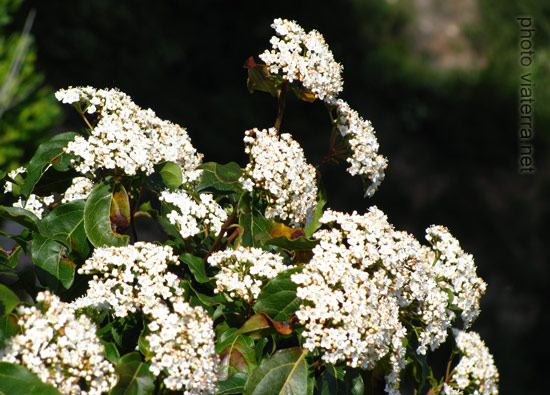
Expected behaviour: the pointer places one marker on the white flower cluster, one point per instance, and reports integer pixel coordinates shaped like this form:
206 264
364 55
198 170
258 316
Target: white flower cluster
8 186
80 188
365 279
183 344
245 271
126 279
182 338
304 57
278 168
458 270
35 204
188 214
359 135
61 349
127 137
476 369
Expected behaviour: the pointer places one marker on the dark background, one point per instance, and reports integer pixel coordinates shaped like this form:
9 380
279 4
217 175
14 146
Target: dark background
448 129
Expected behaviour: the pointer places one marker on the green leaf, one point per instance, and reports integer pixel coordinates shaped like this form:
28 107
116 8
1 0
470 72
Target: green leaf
237 356
49 152
354 384
143 343
17 380
8 300
321 201
278 297
134 376
10 259
253 223
66 224
20 215
301 243
221 179
111 352
8 328
255 324
259 78
233 385
196 266
285 372
52 269
54 181
97 223
171 174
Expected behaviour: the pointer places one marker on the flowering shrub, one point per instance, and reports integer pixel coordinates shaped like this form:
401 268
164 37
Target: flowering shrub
255 286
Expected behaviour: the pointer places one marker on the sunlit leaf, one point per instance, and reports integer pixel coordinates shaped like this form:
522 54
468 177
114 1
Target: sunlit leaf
17 380
196 266
233 385
8 300
171 174
278 297
52 269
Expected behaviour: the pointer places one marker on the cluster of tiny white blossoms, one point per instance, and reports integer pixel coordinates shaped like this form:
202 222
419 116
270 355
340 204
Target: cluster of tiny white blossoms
476 369
127 137
457 269
245 271
35 204
61 349
188 214
80 188
126 279
304 57
361 139
365 277
349 309
132 278
183 344
278 169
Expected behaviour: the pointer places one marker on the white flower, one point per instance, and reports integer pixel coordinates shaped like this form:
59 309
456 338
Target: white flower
476 369
35 204
80 188
128 137
61 349
279 170
8 186
304 57
189 216
245 271
183 344
361 139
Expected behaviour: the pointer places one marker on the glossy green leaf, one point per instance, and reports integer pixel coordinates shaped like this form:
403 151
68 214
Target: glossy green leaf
256 323
171 174
143 343
48 153
354 383
66 224
19 215
8 300
237 356
54 181
111 352
301 243
285 372
233 385
331 381
222 179
52 269
10 259
278 297
134 376
8 328
97 223
18 380
253 223
259 78
321 202
196 266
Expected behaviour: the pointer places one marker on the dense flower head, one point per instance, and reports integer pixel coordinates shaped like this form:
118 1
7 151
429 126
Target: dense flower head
303 57
278 169
476 369
61 349
129 278
359 135
182 342
245 271
191 217
127 137
80 188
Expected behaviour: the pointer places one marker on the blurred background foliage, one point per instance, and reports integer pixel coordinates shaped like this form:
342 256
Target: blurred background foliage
28 110
438 79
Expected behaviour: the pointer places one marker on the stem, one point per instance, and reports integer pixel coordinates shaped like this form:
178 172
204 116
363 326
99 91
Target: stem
281 103
219 237
85 119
